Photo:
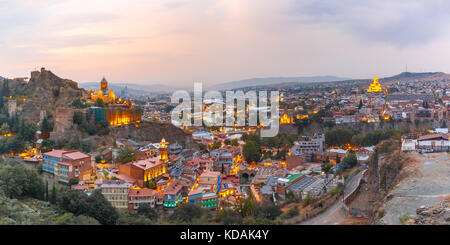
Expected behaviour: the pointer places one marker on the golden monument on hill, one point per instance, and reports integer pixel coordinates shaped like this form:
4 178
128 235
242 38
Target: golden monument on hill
375 87
285 119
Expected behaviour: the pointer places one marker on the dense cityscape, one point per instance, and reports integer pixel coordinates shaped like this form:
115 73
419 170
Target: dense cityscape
340 157
224 121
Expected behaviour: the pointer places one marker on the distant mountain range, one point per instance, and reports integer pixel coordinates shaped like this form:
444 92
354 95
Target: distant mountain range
131 88
269 82
274 80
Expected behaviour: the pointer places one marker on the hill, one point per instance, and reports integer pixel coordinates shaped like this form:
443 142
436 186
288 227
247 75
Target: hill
43 92
418 76
273 81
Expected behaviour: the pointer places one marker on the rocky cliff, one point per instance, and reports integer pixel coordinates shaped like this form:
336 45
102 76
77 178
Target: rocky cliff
154 132
434 215
43 92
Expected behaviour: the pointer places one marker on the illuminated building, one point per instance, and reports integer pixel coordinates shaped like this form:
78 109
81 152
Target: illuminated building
375 87
204 192
144 170
285 119
104 93
118 112
163 150
137 197
173 195
117 115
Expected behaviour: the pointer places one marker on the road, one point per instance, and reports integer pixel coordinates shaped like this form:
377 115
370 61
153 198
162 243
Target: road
335 214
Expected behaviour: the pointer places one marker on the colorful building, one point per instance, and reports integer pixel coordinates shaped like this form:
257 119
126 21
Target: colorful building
138 197
147 169
173 195
51 159
116 192
71 165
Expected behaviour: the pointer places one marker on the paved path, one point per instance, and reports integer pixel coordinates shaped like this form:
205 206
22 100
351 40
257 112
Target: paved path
335 214
327 216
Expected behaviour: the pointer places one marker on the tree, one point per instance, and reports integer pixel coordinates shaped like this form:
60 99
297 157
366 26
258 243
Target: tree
100 209
74 201
79 103
5 129
245 207
70 219
327 167
53 196
151 184
351 160
147 211
234 142
126 218
46 126
98 158
47 145
17 181
46 191
55 92
78 117
186 212
338 137
267 211
73 181
309 199
86 145
251 151
229 217
102 127
126 154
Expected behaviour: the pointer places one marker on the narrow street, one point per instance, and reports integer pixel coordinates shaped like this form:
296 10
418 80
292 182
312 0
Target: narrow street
335 214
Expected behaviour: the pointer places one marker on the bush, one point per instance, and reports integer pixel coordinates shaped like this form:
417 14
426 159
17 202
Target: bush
126 154
336 191
147 211
73 181
290 213
267 211
404 218
350 160
186 213
309 199
229 217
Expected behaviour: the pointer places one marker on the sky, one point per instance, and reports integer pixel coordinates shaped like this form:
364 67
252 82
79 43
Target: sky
178 42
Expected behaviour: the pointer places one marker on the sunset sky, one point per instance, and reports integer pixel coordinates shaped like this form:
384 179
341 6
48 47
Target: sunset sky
177 42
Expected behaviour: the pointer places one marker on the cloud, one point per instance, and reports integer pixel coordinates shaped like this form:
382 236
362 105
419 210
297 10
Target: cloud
179 41
397 22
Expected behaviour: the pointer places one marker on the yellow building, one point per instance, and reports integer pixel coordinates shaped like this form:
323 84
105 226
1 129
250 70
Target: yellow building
105 94
116 192
163 156
375 87
285 119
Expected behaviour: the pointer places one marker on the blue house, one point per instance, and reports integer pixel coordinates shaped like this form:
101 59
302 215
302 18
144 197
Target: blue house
50 160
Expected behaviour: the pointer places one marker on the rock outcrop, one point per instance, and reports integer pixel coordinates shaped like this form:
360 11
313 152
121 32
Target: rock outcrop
154 132
434 215
43 92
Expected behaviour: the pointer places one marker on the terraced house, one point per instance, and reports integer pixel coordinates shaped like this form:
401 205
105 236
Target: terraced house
116 192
